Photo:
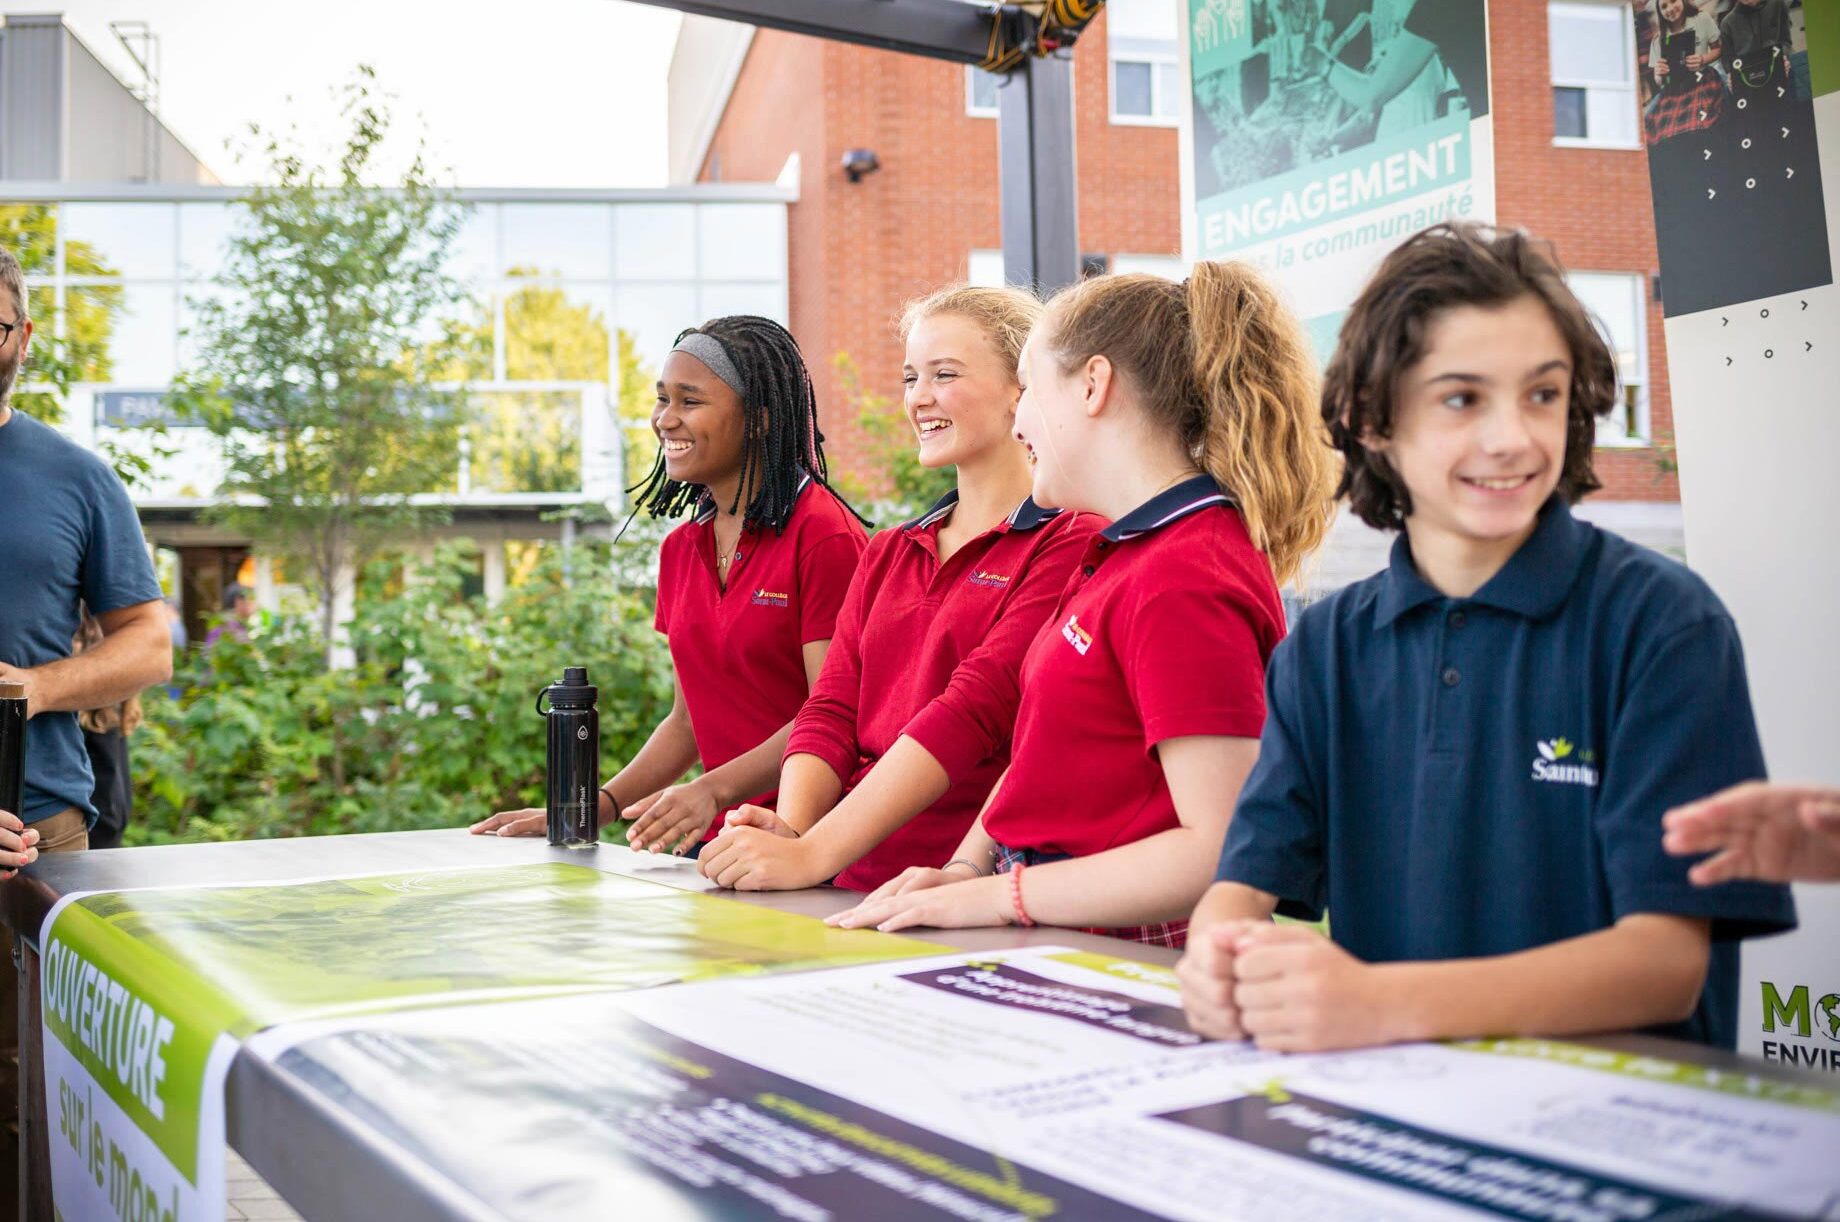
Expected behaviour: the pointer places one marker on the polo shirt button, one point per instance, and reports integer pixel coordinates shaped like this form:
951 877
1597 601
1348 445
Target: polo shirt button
1089 570
1451 677
1458 619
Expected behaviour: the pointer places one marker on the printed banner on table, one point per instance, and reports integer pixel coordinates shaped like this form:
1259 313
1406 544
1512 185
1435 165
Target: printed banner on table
1322 133
1041 1083
148 993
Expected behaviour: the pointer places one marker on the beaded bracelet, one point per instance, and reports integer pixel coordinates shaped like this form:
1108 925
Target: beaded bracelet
1015 897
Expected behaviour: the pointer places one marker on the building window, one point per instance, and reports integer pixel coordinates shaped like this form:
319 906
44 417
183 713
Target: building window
1145 69
981 93
1169 267
1593 74
1618 302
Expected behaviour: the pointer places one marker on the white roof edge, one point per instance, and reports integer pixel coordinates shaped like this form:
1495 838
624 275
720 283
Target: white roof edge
728 74
29 192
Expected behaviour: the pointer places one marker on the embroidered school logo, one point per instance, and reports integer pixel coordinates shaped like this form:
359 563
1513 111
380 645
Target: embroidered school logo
764 597
983 577
1559 762
1077 636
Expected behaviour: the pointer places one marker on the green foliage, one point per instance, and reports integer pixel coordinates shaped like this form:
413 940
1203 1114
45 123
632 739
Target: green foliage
316 371
434 727
906 488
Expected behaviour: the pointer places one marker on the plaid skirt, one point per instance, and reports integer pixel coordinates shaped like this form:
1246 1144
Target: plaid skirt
1163 933
1677 112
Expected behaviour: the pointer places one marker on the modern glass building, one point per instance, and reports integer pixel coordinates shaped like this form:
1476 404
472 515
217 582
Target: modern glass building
565 290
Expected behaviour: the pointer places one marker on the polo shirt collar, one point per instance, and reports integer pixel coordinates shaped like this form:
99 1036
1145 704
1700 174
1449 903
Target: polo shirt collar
706 504
1195 493
1534 583
1026 516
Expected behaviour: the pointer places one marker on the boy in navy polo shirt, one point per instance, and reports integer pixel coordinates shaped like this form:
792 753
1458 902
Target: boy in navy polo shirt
1467 756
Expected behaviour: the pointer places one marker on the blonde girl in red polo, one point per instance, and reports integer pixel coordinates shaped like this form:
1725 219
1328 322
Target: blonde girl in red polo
1187 413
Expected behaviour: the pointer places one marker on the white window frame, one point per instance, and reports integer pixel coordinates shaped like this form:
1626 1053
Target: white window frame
972 109
1619 14
1169 267
984 268
1157 55
1611 435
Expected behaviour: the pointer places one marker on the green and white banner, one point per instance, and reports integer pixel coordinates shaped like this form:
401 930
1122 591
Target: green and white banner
1322 133
1041 1083
148 994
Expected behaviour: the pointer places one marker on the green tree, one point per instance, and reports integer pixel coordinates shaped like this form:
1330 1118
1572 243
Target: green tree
316 370
905 488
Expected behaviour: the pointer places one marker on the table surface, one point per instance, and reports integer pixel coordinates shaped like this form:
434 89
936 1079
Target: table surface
329 1167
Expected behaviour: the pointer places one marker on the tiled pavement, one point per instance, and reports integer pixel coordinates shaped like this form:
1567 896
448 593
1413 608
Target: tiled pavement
250 1196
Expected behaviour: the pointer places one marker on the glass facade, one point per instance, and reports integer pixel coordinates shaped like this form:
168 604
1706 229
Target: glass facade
561 289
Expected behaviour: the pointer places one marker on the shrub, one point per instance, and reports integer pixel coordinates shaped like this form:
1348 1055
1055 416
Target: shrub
434 727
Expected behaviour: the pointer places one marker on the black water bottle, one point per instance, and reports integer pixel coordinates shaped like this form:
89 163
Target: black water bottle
13 748
574 760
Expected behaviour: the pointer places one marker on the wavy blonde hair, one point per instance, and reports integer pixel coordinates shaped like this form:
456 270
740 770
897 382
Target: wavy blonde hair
1223 362
1004 315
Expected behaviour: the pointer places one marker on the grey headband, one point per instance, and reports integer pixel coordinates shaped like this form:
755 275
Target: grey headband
709 350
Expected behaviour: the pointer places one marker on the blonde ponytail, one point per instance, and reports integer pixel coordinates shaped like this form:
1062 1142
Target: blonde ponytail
1221 362
1262 435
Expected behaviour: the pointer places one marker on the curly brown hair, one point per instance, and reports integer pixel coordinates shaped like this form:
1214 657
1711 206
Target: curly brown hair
1383 337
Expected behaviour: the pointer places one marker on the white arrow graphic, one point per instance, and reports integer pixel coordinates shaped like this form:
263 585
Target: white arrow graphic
1779 91
1785 134
1707 155
1791 171
1702 116
1711 194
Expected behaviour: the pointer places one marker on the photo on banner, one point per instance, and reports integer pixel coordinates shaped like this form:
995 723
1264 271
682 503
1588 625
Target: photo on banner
1322 133
1728 116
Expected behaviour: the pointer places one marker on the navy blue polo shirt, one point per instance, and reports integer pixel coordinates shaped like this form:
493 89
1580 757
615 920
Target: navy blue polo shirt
1453 778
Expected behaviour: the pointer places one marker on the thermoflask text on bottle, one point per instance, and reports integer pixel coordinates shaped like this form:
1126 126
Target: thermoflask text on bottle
13 748
574 760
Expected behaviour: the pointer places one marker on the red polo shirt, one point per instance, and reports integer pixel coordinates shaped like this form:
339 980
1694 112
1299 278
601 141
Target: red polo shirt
1163 633
739 652
934 651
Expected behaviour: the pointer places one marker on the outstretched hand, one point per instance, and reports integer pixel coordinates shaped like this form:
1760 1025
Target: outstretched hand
1757 830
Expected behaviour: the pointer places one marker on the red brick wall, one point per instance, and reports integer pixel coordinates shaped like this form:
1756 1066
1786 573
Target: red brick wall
1593 204
858 250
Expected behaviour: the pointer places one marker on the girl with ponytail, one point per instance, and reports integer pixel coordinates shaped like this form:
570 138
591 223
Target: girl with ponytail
1189 415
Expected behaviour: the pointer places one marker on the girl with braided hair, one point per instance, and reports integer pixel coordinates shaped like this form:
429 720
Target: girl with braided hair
909 724
748 589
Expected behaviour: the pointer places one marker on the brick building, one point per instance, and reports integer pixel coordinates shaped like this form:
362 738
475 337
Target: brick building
752 105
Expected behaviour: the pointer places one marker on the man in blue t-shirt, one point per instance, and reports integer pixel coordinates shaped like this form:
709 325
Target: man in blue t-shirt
72 538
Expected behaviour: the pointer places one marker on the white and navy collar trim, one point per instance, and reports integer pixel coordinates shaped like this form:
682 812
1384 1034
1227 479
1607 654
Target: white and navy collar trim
1167 506
1026 516
706 505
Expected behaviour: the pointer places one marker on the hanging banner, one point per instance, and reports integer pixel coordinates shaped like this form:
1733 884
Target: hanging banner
1042 1083
1741 114
1322 133
147 994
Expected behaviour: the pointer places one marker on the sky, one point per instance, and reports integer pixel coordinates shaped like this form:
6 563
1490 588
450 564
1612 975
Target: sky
551 93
